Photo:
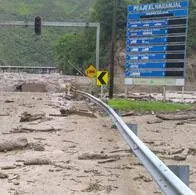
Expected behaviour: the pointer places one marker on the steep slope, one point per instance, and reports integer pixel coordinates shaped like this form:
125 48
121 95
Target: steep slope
20 46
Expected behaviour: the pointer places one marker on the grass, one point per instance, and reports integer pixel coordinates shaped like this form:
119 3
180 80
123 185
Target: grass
146 106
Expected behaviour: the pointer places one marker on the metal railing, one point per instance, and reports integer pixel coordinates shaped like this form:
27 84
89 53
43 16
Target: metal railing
168 182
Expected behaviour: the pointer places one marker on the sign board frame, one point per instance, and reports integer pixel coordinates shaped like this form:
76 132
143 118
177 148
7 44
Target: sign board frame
156 44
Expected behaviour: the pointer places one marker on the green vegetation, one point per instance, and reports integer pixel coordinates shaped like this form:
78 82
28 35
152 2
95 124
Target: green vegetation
19 45
145 106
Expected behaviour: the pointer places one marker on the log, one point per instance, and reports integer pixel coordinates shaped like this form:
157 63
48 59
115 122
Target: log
87 156
175 117
110 160
31 130
128 114
37 161
58 115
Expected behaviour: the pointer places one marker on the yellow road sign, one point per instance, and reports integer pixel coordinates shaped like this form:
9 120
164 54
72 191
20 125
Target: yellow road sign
91 71
102 78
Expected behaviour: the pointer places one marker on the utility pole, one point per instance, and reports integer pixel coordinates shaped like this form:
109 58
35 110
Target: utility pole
113 40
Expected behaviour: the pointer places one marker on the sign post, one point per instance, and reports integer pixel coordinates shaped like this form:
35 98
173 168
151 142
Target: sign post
156 44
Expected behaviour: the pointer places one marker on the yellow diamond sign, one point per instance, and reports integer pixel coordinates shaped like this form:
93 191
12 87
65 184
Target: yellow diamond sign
91 71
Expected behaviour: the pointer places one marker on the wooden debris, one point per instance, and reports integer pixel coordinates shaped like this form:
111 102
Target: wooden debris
9 101
66 112
144 178
27 117
112 159
30 130
7 167
37 161
154 121
4 114
13 144
128 114
69 141
125 150
175 117
178 157
3 176
68 167
87 156
58 115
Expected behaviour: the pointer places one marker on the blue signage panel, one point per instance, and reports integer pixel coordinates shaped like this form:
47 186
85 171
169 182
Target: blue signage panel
142 24
156 39
146 57
145 74
145 65
147 32
169 13
148 40
159 49
158 6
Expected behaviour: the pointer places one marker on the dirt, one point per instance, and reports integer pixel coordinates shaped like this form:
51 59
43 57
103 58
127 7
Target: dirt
52 164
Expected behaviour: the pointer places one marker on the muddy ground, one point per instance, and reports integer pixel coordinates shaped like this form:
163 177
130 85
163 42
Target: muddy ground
82 154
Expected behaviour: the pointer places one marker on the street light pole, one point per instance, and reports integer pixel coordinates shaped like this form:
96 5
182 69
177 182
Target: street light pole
113 40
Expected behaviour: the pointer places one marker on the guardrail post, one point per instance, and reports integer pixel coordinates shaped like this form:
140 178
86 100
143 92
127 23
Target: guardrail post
181 171
133 128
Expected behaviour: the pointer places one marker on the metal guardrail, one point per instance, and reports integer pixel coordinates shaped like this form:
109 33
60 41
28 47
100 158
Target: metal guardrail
168 182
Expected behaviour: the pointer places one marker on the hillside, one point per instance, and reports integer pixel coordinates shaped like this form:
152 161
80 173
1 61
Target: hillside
20 46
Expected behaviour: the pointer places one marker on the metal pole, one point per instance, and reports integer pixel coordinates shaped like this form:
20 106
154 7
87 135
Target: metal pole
111 86
97 46
62 24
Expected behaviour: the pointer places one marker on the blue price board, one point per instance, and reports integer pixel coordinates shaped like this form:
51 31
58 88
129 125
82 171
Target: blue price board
148 32
148 40
145 65
171 13
143 24
156 39
146 57
145 74
159 49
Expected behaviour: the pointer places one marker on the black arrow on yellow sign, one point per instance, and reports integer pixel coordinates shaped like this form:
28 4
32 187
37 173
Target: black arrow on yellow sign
102 78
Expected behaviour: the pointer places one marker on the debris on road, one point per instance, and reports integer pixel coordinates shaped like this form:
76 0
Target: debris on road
13 144
87 156
37 161
3 176
34 129
28 117
175 117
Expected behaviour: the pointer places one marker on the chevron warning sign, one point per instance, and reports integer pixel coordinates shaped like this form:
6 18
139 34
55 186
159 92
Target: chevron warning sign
102 78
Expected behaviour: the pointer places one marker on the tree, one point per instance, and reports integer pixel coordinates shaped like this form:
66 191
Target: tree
71 47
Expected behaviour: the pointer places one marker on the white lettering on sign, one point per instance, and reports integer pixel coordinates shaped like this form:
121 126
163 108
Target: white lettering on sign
150 7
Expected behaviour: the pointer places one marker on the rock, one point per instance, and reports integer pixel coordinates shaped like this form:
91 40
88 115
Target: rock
8 145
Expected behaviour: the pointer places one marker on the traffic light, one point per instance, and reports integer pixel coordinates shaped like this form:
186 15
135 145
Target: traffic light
38 25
